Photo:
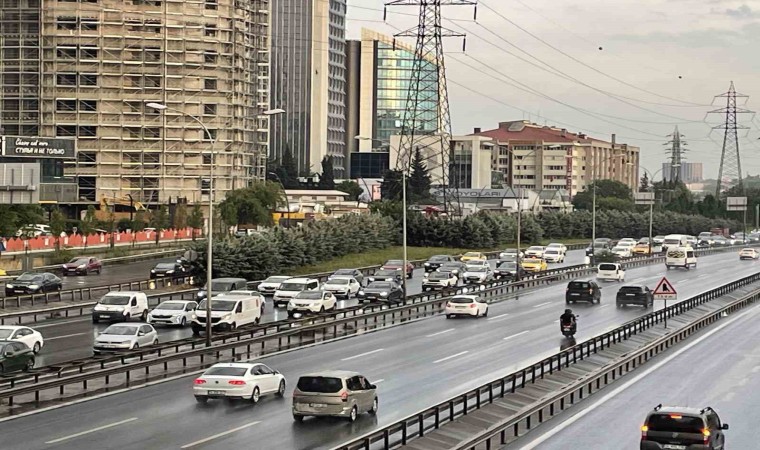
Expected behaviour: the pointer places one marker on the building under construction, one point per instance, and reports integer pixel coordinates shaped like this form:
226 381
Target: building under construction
88 68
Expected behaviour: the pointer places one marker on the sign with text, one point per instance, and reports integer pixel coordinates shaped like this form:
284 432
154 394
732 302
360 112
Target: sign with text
644 198
665 290
736 203
476 193
39 147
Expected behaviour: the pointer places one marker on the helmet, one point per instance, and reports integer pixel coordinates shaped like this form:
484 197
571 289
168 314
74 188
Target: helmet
568 311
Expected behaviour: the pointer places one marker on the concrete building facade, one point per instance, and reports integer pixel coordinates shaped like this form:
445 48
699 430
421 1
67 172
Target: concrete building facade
309 82
87 69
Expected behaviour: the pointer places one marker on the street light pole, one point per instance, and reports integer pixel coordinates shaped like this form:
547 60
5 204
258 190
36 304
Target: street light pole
403 233
287 201
519 232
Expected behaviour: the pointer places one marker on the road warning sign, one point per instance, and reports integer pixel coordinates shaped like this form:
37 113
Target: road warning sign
665 290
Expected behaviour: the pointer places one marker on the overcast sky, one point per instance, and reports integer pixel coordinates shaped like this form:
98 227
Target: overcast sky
670 57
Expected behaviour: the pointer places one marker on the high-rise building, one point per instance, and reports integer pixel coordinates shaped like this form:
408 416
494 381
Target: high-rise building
87 69
309 82
687 172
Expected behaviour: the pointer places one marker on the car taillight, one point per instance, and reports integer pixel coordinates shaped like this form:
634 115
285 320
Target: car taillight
590 291
199 381
344 396
236 382
472 305
644 430
705 436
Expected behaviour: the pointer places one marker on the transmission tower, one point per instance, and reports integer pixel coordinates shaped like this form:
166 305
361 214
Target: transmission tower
426 124
730 172
676 150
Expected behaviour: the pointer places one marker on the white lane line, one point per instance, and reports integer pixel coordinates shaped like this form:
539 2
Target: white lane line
542 304
57 324
605 305
550 433
379 381
515 335
362 354
64 336
216 436
440 332
499 317
450 357
82 433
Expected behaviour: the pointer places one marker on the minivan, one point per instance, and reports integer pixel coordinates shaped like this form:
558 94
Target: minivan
221 285
680 257
228 313
675 240
291 287
120 306
610 271
583 291
336 393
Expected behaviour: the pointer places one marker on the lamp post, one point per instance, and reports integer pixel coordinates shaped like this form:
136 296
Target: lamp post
287 201
651 205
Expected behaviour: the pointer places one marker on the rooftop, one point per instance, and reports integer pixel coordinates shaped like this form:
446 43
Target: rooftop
524 130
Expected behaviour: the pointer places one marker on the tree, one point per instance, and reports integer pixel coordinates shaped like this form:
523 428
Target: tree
87 225
327 179
195 221
604 188
351 188
180 217
252 205
418 184
390 188
57 226
159 219
645 184
288 169
8 220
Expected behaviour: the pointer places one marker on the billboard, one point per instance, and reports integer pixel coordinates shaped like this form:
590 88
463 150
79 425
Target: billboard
38 147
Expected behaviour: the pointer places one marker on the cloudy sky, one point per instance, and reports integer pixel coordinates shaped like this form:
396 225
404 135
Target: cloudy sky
660 65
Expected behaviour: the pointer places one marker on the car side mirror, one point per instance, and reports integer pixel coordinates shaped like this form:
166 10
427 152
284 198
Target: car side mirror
374 386
141 333
9 353
724 426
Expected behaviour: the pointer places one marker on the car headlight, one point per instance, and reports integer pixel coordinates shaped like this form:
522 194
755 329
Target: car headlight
371 279
201 293
383 294
427 264
8 285
153 271
169 271
64 266
361 292
81 266
227 317
34 286
98 308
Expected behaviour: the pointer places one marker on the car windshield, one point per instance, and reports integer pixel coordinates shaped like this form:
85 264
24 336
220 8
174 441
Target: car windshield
552 252
385 273
292 286
601 241
631 289
115 300
5 333
338 281
344 272
276 279
507 265
325 385
578 285
461 300
171 306
450 265
471 254
79 261
379 285
218 305
29 277
438 258
477 269
121 330
747 250
309 295
221 286
226 371
672 241
675 423
165 266
619 249
607 267
531 260
394 262
439 276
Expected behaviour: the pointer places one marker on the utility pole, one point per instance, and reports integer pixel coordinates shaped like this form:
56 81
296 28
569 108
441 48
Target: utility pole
730 171
676 150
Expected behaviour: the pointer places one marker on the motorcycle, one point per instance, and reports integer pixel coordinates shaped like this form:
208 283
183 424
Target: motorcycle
569 329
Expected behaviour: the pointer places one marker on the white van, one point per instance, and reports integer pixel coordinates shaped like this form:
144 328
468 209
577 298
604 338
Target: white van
228 312
291 287
610 272
120 306
675 240
680 257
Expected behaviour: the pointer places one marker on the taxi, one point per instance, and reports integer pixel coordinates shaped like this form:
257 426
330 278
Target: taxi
473 256
642 248
533 264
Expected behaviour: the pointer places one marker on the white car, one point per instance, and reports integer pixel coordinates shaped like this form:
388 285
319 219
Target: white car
341 286
239 293
478 275
312 302
271 284
627 242
439 280
554 255
557 246
510 254
173 312
32 339
125 336
466 305
749 253
622 252
476 264
247 381
536 250
610 272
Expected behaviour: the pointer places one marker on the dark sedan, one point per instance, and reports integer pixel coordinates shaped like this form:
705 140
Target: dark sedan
435 262
456 267
508 270
381 291
167 270
634 295
386 275
15 356
33 283
83 265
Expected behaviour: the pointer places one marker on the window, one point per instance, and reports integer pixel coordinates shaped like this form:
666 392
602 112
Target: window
65 52
209 109
88 24
88 52
66 130
66 23
88 131
211 4
65 105
66 79
89 79
210 57
354 384
88 105
210 30
151 133
209 83
205 186
206 159
30 105
87 159
151 81
210 136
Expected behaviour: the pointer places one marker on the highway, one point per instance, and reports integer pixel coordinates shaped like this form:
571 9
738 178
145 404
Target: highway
71 339
727 379
413 365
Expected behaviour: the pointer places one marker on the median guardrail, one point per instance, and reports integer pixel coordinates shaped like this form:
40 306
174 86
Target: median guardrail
434 417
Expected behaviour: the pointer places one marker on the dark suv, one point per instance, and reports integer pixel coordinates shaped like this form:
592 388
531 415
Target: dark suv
634 295
682 428
583 291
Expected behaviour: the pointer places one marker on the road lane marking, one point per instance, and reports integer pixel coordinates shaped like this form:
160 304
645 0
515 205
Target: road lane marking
542 304
550 433
58 324
379 381
605 305
362 354
515 335
64 336
82 433
499 317
440 332
450 357
222 434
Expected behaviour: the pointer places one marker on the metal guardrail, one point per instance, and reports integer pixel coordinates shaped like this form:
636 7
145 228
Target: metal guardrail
418 424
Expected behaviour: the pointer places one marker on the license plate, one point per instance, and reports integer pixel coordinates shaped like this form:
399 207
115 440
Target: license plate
574 293
215 392
461 307
19 291
674 447
317 405
630 295
103 316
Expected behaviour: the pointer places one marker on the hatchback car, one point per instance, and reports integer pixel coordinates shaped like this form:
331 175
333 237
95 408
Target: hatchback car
397 264
680 428
634 295
439 280
536 251
15 356
33 283
346 273
83 265
510 254
335 393
173 312
508 270
167 270
554 255
642 248
466 305
381 291
583 291
342 286
312 302
32 339
456 267
125 336
247 381
271 284
749 253
435 262
479 275
533 264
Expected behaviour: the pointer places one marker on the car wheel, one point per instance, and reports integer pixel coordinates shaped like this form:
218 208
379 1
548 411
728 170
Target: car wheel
297 418
127 317
256 396
321 309
135 347
86 272
144 316
196 331
2 368
353 414
155 341
36 348
29 365
281 389
485 313
448 316
94 320
201 399
233 326
183 322
375 405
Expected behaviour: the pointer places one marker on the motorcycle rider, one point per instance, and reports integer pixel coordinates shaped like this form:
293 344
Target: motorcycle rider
568 318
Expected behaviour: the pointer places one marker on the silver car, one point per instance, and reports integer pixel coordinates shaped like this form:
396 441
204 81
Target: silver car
334 393
125 336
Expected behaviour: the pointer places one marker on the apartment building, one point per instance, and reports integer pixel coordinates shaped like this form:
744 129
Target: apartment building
86 69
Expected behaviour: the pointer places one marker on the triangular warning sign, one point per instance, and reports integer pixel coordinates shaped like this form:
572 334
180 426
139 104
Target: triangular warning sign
664 287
